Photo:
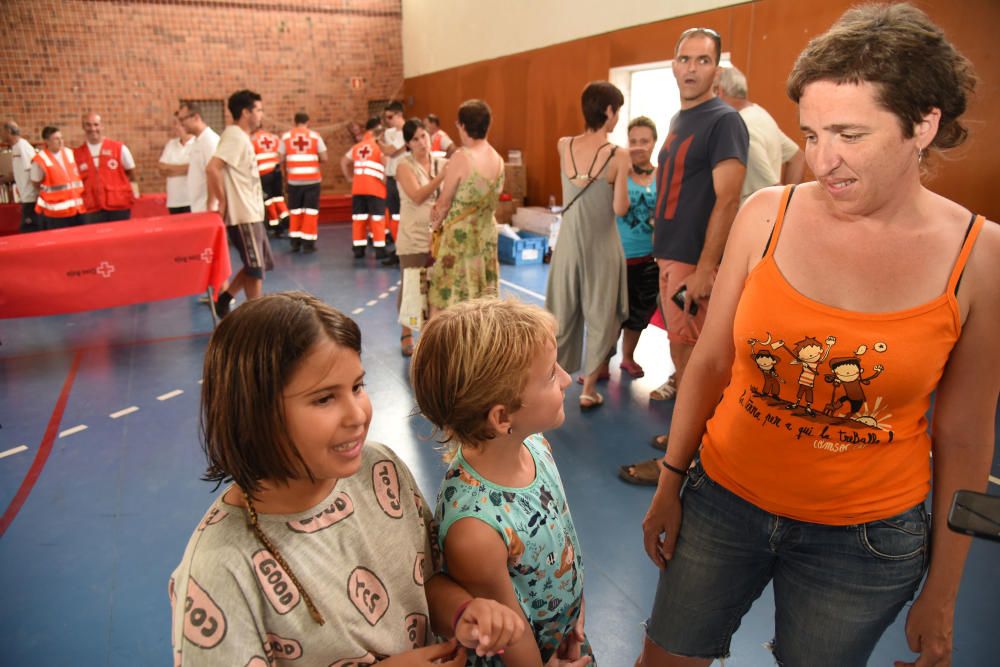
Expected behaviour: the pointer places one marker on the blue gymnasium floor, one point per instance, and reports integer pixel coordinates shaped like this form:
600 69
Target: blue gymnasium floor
85 561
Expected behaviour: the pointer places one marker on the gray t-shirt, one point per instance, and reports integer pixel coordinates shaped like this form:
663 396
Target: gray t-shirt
362 554
244 195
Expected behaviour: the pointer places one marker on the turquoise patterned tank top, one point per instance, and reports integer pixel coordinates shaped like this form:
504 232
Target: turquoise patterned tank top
543 560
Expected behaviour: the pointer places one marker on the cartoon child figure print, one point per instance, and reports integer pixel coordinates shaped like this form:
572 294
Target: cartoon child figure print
849 376
765 362
808 353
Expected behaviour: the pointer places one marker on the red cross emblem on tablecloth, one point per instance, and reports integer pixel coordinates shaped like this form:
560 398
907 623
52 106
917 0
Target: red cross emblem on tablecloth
301 143
364 152
207 255
105 269
267 142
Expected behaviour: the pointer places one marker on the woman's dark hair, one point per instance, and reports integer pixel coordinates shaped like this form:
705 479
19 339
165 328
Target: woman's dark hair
433 118
372 123
410 128
48 131
240 100
906 56
475 116
250 359
596 98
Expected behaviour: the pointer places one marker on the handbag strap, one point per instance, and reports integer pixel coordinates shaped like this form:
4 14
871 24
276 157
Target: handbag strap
591 181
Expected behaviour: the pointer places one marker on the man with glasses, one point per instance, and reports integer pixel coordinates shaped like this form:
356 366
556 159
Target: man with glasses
701 168
202 149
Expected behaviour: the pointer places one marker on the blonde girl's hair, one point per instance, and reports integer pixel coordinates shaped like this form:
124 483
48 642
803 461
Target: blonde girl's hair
471 357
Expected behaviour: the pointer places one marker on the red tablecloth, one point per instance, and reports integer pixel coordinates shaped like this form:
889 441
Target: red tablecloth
111 264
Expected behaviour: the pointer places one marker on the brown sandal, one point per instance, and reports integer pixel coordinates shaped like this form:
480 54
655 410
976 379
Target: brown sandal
646 473
407 348
660 442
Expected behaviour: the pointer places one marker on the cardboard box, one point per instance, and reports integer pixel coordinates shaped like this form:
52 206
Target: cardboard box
515 180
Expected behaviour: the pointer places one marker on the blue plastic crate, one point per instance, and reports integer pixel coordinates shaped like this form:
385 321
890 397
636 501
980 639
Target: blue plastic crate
529 249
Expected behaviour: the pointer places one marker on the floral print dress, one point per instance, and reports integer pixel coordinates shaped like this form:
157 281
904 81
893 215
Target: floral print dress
465 246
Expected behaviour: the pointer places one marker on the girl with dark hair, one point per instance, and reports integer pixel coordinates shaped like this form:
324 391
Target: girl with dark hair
464 243
320 552
588 287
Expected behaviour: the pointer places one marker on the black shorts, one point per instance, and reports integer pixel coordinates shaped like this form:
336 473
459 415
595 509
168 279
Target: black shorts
175 210
251 243
643 288
367 205
303 196
271 184
392 196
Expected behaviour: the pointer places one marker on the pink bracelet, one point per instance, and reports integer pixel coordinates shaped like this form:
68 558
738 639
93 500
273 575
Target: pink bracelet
458 615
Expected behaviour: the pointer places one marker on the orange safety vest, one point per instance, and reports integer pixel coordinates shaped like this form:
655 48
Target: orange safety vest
369 172
302 155
436 140
60 195
105 186
265 148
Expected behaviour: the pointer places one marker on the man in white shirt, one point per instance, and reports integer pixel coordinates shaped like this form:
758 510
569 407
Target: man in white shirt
773 158
173 165
393 148
234 183
108 172
202 149
27 191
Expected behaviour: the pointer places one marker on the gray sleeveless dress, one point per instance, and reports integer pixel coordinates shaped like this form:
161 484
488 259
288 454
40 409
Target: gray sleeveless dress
587 286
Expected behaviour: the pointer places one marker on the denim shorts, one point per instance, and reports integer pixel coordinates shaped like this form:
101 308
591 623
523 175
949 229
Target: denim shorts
836 588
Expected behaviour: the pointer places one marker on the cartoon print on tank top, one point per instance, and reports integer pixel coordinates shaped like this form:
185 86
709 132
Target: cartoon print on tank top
847 420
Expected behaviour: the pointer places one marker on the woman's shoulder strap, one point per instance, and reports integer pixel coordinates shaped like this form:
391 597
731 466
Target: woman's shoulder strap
971 234
772 239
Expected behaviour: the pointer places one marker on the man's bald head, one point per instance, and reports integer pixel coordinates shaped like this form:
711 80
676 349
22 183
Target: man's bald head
92 127
10 131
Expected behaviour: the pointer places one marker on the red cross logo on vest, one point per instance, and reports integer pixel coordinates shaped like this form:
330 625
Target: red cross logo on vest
267 143
105 268
364 152
301 143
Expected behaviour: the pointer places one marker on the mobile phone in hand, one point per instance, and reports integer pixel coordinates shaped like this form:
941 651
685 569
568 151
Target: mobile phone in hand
976 514
678 298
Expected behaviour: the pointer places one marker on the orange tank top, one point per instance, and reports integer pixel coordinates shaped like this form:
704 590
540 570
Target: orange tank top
824 419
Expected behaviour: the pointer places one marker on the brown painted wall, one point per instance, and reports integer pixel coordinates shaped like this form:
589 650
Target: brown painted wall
535 94
133 60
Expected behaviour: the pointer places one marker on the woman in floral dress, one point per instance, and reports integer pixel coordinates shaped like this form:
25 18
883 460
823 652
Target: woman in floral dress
464 242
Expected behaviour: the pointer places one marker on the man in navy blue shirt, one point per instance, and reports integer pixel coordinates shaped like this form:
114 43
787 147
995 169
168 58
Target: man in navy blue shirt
701 169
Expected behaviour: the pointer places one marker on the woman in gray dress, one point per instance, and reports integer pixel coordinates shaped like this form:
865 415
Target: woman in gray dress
587 286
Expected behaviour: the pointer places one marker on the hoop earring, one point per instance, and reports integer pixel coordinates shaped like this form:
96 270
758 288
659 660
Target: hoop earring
510 430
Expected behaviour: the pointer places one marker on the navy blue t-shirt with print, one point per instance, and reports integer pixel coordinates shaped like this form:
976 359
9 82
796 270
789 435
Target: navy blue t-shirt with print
699 139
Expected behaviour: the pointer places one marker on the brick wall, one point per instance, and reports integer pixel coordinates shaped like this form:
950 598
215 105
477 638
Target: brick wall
132 61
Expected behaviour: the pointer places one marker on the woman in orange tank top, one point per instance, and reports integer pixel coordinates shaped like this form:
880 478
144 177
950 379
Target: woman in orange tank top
840 307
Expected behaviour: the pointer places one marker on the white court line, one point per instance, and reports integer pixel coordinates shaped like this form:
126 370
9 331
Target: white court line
71 431
357 311
995 480
393 288
540 297
383 295
126 411
12 451
372 302
170 394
